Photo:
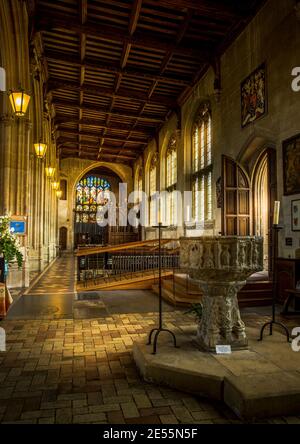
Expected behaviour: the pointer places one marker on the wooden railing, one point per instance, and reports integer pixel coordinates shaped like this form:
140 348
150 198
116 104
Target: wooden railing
97 264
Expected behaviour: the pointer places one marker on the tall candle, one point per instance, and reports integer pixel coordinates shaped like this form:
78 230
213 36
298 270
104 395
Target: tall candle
276 213
159 211
188 213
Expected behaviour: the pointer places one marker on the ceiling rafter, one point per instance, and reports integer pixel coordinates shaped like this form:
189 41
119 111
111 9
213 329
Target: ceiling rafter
118 70
94 152
115 34
166 60
95 90
133 140
57 57
58 120
229 9
65 141
105 110
133 20
83 12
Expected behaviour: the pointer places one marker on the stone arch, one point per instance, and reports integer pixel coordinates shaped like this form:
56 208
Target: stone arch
187 132
114 168
253 149
149 159
163 152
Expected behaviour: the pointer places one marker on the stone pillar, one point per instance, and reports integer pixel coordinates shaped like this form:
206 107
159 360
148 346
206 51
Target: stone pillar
221 323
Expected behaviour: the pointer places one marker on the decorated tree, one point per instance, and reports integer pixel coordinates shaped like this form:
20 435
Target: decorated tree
9 243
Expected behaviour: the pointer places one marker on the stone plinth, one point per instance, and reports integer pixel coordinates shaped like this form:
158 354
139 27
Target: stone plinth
261 382
221 265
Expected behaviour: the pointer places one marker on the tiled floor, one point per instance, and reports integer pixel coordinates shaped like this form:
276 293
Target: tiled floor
82 371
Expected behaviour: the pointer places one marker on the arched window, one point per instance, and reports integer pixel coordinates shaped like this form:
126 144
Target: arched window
171 180
152 189
202 166
92 192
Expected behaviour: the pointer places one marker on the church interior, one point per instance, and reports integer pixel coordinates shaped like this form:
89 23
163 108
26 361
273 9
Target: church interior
149 211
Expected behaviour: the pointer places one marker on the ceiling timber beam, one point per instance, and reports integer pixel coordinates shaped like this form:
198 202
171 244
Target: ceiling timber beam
105 110
97 91
115 34
98 135
56 56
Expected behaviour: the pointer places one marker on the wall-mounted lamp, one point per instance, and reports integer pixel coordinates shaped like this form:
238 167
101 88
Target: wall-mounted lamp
50 172
55 185
19 100
40 149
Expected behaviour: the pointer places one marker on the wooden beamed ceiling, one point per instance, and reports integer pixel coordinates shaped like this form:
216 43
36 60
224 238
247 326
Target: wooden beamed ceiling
117 69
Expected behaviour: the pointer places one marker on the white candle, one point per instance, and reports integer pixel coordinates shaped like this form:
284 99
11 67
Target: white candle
276 213
188 213
159 211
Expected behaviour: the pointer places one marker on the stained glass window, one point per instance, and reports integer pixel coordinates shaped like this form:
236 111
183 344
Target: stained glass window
202 166
92 192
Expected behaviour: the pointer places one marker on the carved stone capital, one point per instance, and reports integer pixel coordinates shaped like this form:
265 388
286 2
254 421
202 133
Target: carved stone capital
7 119
28 124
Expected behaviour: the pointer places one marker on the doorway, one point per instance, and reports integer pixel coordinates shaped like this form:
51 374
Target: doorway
264 195
248 202
63 232
261 207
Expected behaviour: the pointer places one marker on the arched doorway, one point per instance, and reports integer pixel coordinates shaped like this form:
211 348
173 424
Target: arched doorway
248 202
264 186
63 233
261 206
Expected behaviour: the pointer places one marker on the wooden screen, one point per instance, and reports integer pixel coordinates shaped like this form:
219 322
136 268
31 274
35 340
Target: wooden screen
236 199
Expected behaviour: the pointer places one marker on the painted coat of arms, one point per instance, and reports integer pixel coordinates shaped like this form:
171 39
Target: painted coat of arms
291 166
253 96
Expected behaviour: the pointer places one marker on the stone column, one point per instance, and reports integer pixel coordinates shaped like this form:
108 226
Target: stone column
221 322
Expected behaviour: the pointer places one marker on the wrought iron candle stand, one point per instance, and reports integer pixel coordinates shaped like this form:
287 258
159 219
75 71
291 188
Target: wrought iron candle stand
273 322
160 328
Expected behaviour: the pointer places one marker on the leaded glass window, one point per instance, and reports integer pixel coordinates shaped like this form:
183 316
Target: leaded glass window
92 192
202 166
152 189
171 180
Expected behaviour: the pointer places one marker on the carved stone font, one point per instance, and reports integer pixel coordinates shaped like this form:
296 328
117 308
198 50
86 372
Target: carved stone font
221 265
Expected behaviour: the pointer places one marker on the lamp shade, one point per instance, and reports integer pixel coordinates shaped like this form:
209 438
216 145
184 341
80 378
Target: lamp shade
40 149
19 101
55 185
50 171
59 194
